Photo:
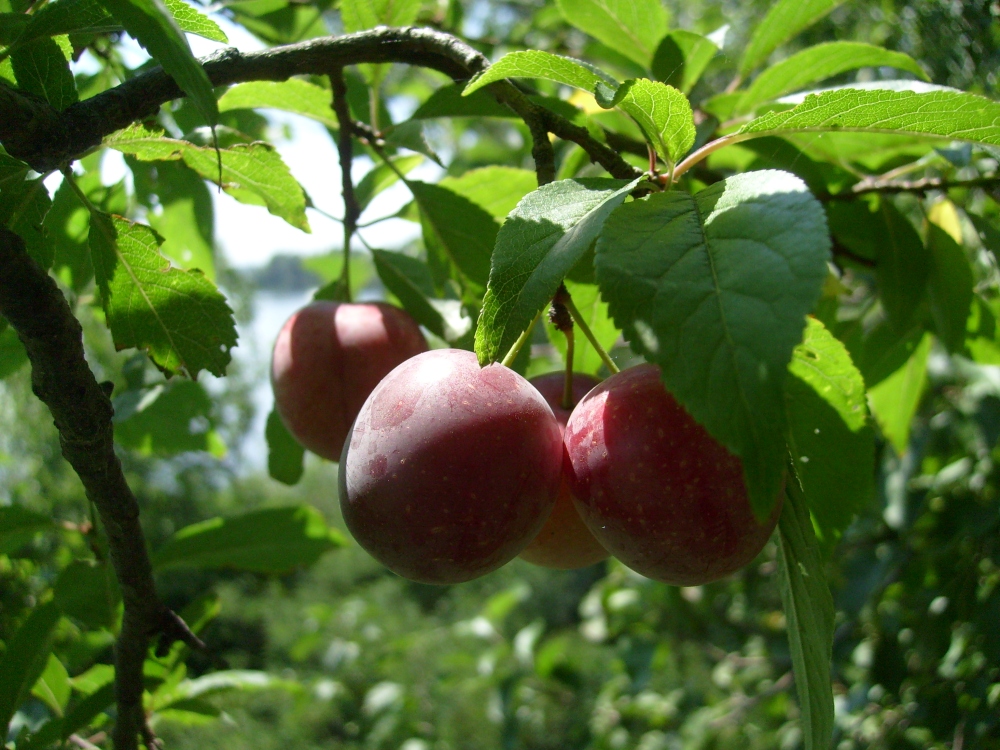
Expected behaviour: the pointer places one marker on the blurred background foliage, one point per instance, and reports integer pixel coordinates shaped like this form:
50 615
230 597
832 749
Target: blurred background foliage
599 658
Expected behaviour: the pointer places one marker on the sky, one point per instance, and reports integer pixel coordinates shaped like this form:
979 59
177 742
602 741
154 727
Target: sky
248 235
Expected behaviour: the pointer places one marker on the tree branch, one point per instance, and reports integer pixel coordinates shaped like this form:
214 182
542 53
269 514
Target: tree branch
34 132
60 377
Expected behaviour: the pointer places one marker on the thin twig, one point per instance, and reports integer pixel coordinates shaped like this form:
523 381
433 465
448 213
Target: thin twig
908 186
585 329
345 147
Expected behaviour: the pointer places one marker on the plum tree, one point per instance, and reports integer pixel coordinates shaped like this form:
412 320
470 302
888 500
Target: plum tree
564 542
659 492
450 469
328 357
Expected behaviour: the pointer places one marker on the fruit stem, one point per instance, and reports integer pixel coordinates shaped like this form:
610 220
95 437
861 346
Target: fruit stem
578 319
508 361
567 397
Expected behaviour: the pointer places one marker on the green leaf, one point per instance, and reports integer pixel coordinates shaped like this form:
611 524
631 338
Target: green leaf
25 658
903 265
66 227
294 95
42 68
783 21
450 101
93 679
714 288
496 189
632 27
284 454
187 219
895 400
538 64
359 15
23 206
681 58
410 135
252 173
185 694
410 280
942 112
465 231
879 350
663 113
150 23
195 22
951 282
88 591
819 63
12 354
831 443
541 241
594 310
273 540
66 16
79 716
383 176
167 419
809 613
18 526
53 688
179 317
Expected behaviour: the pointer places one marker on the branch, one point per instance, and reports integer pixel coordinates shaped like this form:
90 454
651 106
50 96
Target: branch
60 377
908 186
47 140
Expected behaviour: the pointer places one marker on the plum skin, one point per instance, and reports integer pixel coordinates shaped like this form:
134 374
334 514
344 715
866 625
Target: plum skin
450 469
328 357
564 543
659 492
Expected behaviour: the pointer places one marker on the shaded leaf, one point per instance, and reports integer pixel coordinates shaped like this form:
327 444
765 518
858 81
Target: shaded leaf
294 95
410 280
464 231
632 27
285 456
810 615
150 23
88 591
714 288
359 15
450 101
783 21
12 354
53 688
895 400
831 443
18 525
273 540
383 176
497 189
950 285
167 419
903 265
681 58
542 239
42 68
24 202
179 317
25 658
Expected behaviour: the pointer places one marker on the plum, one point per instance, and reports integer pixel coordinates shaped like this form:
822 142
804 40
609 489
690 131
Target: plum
328 358
564 543
659 492
450 469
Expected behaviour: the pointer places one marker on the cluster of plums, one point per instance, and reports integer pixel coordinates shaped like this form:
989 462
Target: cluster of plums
449 470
